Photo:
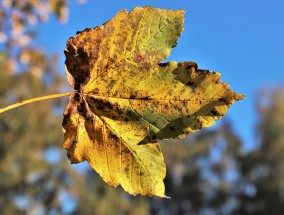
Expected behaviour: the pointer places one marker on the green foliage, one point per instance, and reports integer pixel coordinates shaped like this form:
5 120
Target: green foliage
262 169
29 182
26 136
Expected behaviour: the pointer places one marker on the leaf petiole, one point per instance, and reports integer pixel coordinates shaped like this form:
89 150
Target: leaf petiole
18 104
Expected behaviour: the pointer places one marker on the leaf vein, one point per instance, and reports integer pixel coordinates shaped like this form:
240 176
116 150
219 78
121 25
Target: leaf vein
119 60
106 154
130 149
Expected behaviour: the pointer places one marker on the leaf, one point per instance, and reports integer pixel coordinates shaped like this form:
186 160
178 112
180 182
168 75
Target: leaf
127 99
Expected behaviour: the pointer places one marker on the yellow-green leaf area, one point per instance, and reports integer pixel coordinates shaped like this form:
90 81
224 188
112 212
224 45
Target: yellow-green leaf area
127 99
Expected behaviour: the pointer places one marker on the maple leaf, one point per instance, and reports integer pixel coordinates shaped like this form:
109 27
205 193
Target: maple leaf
127 99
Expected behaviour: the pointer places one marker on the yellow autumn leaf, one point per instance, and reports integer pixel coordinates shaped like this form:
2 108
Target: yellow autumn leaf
127 99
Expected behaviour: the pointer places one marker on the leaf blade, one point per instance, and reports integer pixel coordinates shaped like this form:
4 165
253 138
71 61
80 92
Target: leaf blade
128 100
97 140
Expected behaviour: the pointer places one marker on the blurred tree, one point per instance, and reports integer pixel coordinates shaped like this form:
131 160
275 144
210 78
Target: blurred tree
202 170
95 197
263 168
18 21
31 181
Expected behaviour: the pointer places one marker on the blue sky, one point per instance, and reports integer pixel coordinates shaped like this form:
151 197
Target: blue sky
243 40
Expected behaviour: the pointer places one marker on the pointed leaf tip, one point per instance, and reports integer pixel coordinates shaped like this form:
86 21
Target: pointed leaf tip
240 97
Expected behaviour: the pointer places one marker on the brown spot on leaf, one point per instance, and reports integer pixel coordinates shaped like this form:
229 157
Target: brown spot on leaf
138 58
214 112
126 170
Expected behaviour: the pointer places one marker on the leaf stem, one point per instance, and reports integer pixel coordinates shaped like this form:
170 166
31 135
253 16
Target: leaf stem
9 107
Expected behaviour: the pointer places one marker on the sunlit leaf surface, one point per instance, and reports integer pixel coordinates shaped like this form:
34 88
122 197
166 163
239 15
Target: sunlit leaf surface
127 99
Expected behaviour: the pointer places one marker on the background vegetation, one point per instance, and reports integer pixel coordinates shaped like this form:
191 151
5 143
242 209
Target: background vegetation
208 172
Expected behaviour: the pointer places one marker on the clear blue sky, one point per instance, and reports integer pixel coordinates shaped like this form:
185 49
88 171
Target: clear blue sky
241 39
